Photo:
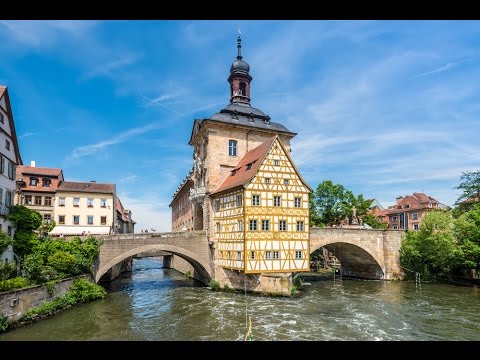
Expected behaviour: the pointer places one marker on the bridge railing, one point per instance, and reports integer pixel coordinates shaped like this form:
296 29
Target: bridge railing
178 234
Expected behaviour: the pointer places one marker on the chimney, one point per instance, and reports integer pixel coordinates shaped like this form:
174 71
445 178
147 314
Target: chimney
32 163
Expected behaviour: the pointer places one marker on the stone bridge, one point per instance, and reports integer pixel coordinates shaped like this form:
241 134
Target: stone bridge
366 253
191 246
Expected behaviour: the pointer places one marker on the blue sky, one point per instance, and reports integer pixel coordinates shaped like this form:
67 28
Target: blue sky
385 108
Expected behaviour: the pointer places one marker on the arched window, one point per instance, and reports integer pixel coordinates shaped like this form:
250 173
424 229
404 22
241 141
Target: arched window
243 89
232 147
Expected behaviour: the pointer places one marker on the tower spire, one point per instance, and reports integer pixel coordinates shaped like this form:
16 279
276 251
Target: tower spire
239 78
239 46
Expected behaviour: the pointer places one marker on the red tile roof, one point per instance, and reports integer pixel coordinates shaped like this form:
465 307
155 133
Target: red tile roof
240 175
87 187
21 169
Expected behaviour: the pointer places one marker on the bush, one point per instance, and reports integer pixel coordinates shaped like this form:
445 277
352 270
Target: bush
15 283
84 290
8 271
188 274
293 290
3 323
63 262
214 285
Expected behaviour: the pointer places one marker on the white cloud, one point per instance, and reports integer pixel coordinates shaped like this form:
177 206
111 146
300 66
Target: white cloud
107 68
129 178
442 68
117 139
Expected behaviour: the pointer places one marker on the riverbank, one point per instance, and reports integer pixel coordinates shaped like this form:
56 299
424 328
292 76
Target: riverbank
23 306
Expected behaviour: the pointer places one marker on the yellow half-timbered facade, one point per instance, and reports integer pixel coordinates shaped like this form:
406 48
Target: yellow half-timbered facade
261 213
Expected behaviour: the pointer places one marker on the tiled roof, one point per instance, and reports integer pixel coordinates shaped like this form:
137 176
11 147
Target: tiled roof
87 187
21 169
240 175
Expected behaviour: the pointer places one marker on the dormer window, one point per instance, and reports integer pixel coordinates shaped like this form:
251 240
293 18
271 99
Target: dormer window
249 166
33 181
46 182
232 147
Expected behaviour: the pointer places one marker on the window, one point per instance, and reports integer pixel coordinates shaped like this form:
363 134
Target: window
249 166
394 218
267 180
252 255
28 200
46 182
2 164
228 255
243 89
276 201
90 202
8 198
276 162
407 206
276 255
256 200
415 226
61 201
11 170
268 255
240 225
300 226
283 225
7 144
2 120
76 219
103 203
298 254
217 227
76 202
61 219
103 220
298 202
253 225
232 147
395 227
9 231
90 219
239 200
239 255
48 201
47 218
265 225
33 181
415 216
38 200
217 205
285 181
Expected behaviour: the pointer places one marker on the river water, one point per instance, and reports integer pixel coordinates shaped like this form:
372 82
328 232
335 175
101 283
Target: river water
152 303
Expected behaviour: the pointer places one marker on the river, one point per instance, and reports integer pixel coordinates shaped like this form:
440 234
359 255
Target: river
152 303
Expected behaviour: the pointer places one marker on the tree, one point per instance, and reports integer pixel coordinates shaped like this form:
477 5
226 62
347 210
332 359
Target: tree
470 185
46 227
372 221
330 203
361 207
432 251
467 233
25 222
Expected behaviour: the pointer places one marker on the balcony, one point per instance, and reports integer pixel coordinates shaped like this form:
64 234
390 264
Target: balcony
197 194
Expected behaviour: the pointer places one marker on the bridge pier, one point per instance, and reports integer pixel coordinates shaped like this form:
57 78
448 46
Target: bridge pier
116 270
168 261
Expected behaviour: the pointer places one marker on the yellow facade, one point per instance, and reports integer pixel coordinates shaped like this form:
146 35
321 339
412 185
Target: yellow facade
269 230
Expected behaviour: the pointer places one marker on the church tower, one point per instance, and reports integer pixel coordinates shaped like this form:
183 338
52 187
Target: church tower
219 142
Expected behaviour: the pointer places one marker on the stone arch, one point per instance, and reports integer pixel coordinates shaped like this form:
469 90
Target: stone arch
203 268
357 261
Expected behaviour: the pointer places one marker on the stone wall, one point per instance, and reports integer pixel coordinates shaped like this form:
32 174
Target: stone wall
274 283
14 304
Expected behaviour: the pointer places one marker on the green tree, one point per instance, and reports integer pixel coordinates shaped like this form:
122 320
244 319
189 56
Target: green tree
330 203
467 232
25 222
360 204
45 227
372 221
5 241
432 251
470 185
314 218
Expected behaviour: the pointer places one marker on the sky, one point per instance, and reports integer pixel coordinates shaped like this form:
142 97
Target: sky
385 108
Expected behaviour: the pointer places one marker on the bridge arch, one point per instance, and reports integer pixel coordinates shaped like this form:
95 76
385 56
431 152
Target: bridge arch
357 261
202 267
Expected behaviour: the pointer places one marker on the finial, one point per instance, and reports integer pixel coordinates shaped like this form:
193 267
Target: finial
239 45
